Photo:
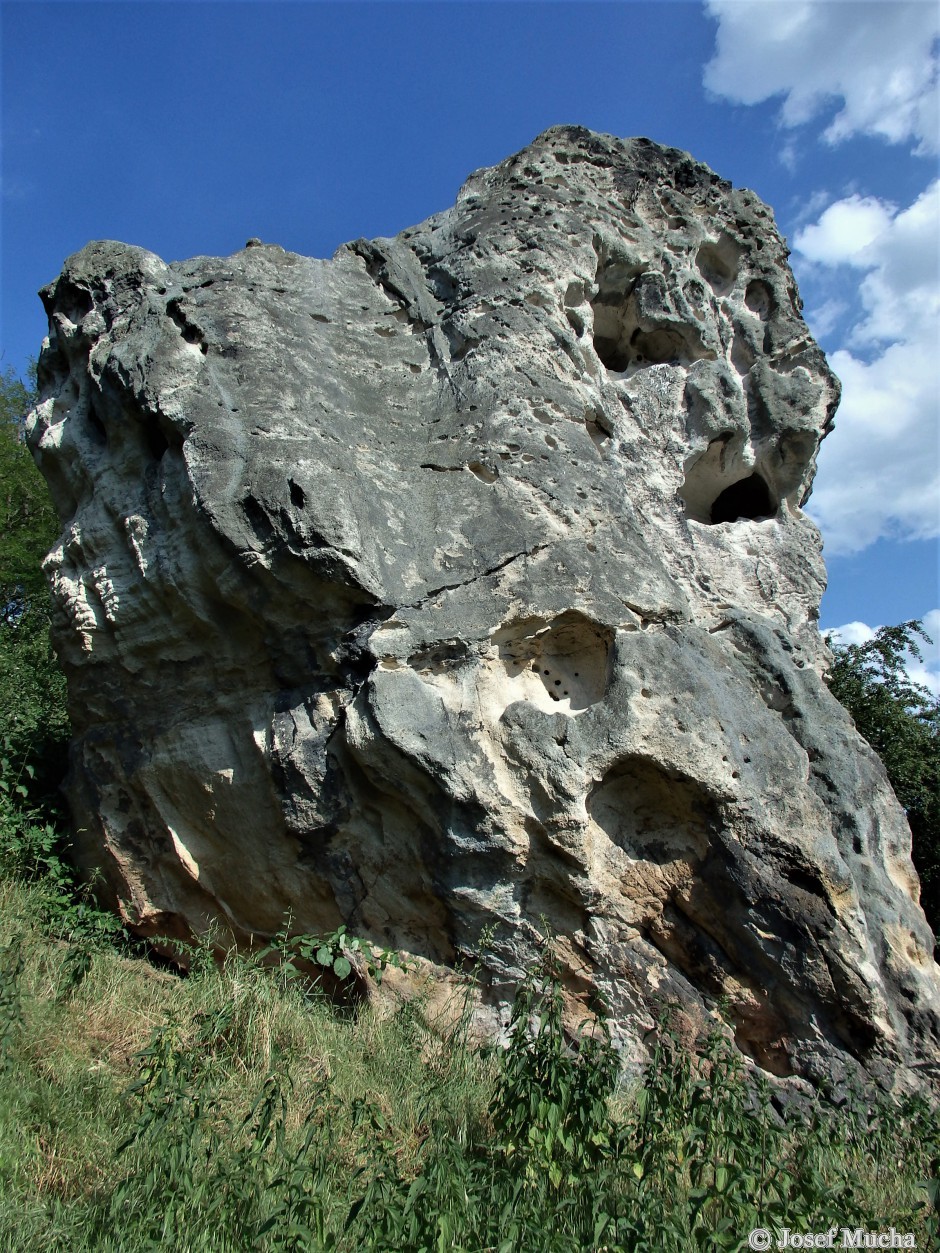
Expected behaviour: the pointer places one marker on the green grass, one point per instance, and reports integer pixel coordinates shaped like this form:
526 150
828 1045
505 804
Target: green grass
237 1109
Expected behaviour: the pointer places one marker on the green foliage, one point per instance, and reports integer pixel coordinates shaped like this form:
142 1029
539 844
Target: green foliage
27 519
34 726
550 1110
339 953
195 1177
32 848
252 1117
33 718
901 721
11 970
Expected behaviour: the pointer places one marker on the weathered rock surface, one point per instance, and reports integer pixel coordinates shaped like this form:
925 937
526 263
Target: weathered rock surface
461 580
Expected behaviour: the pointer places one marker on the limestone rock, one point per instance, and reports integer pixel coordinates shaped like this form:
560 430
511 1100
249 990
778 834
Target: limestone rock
461 581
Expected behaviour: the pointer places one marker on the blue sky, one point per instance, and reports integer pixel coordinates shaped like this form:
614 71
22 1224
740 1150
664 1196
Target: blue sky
189 127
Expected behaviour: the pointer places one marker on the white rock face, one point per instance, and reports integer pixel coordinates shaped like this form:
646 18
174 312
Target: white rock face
462 581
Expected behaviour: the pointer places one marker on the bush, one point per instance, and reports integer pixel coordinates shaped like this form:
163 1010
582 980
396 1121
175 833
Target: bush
32 688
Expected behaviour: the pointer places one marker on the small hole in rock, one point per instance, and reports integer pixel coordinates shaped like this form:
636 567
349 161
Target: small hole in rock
156 441
759 299
298 497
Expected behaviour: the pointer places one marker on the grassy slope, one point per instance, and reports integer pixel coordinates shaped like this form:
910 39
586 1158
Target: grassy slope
256 1116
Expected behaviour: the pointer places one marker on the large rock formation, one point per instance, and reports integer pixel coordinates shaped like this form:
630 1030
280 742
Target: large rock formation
461 580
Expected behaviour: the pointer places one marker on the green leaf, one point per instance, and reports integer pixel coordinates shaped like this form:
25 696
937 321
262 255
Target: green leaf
325 956
342 967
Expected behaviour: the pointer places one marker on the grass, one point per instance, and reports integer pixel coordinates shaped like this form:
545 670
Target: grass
237 1109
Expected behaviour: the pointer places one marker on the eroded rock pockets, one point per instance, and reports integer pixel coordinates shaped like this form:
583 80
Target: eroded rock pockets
721 485
652 813
721 922
719 313
636 322
561 664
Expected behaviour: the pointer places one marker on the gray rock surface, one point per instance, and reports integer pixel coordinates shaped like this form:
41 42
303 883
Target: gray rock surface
461 581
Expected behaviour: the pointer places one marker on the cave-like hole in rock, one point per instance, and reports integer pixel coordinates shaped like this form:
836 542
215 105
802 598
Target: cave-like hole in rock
748 498
659 347
626 334
157 442
298 496
612 356
73 302
652 813
759 298
614 315
562 663
95 427
718 264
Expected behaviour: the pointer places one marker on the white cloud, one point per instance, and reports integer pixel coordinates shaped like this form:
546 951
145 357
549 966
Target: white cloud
852 633
879 471
876 57
825 317
902 291
924 670
845 231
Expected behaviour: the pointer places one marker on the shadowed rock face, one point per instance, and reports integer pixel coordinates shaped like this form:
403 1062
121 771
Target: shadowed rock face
461 580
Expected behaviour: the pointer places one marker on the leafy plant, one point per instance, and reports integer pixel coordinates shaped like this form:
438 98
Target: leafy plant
33 849
27 519
551 1102
199 1178
33 714
336 952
